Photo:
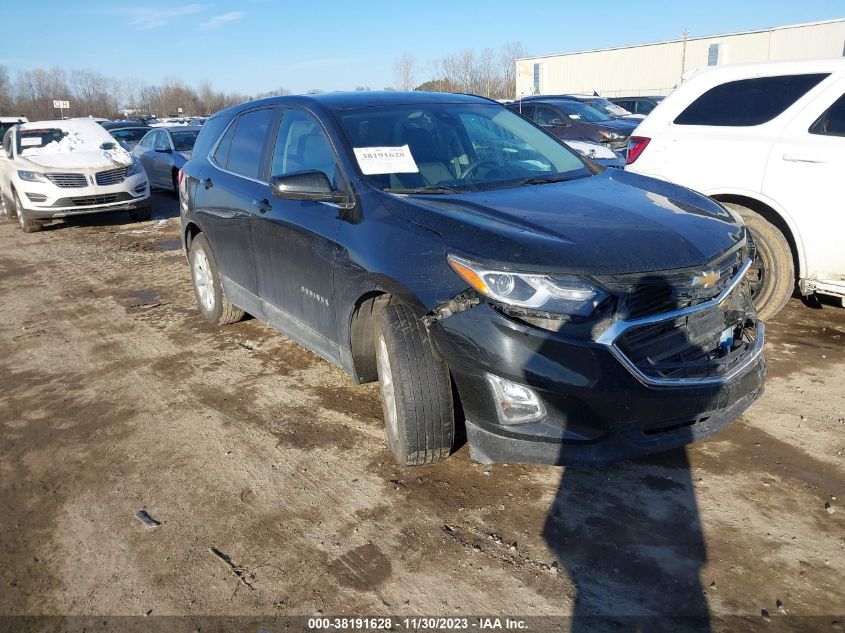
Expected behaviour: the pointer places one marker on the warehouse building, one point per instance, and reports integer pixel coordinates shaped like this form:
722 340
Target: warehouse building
655 69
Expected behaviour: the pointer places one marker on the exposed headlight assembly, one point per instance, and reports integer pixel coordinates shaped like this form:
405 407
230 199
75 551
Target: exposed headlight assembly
30 176
555 294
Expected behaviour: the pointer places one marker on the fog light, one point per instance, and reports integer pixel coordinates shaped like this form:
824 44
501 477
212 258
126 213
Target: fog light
515 403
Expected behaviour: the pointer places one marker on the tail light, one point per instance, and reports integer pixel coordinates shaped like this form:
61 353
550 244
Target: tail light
180 177
636 146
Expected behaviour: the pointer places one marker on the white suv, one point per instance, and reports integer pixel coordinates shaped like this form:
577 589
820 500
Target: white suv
56 169
768 141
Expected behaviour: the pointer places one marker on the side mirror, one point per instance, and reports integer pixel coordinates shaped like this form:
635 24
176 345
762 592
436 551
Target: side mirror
163 149
306 185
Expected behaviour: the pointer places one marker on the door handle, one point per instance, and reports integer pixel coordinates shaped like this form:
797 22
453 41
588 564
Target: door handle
263 206
207 183
803 158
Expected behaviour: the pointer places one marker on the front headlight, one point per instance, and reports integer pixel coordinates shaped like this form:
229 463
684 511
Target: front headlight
135 168
610 136
30 176
555 294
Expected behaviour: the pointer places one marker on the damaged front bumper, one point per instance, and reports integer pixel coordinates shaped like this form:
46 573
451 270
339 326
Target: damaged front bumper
601 405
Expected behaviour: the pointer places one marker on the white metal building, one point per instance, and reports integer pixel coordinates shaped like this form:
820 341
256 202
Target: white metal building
655 69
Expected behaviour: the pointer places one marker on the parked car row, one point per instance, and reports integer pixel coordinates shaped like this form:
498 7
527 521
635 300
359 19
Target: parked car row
476 265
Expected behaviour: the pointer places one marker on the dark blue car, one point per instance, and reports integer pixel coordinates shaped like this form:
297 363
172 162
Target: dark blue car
483 272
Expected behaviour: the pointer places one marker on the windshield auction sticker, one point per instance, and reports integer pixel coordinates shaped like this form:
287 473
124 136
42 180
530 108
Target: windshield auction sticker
30 141
385 160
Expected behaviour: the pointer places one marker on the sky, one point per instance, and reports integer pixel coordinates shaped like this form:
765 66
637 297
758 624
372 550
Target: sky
252 46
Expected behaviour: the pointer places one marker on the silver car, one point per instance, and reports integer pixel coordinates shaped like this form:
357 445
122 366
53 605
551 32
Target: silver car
163 151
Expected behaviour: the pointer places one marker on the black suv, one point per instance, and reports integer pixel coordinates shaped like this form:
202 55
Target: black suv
478 268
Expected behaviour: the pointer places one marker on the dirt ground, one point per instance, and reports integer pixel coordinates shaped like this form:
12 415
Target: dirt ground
116 397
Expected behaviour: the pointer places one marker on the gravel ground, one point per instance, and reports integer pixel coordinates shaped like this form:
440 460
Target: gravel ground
116 397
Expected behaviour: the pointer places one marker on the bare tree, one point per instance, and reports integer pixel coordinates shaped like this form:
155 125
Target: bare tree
5 92
405 71
487 72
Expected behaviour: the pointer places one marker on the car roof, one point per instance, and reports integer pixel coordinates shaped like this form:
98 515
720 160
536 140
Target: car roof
178 128
363 99
115 125
769 69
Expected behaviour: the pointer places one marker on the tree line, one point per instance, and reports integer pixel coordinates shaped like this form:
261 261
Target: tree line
90 93
487 72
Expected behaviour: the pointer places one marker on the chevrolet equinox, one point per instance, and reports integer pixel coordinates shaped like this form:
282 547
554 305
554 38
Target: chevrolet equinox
481 271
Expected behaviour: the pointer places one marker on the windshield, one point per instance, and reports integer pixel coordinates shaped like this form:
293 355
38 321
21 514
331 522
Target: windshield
453 147
29 139
606 107
184 141
578 111
130 134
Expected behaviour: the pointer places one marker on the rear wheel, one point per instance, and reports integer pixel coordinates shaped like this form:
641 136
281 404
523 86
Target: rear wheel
772 275
28 225
213 304
415 388
174 179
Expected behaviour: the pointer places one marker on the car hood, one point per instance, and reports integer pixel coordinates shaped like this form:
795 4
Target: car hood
622 126
611 223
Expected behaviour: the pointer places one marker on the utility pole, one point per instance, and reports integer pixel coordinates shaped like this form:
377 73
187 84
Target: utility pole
684 54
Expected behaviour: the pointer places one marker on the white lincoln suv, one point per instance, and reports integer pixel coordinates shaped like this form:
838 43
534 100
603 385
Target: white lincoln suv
56 169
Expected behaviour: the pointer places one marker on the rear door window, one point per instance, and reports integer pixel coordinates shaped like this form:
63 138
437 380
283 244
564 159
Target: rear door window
832 122
249 142
748 102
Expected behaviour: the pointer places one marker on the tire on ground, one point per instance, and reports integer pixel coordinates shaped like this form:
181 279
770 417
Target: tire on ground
425 421
222 312
28 225
776 257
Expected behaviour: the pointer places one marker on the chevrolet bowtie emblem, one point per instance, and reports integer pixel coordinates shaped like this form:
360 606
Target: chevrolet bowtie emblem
706 279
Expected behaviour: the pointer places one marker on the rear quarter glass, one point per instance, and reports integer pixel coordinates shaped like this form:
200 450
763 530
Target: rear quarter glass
209 134
748 102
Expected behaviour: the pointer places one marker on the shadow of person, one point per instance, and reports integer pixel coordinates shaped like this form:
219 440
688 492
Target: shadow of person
629 536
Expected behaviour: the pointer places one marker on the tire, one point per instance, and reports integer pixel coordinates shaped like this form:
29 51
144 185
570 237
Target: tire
27 225
141 215
416 390
213 304
773 273
174 179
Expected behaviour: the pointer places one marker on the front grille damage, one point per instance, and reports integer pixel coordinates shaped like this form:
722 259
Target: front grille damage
655 293
700 345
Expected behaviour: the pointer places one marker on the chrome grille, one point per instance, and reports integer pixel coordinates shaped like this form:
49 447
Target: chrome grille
66 180
112 176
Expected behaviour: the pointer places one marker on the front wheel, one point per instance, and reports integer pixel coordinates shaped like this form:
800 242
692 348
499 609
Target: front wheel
416 390
28 225
213 304
772 275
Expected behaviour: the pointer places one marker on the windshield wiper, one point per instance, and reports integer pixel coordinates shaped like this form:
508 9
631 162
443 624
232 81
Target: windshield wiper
435 189
541 180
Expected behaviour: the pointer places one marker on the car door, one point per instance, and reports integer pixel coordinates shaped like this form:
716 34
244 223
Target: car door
6 165
231 179
295 241
144 152
804 175
162 156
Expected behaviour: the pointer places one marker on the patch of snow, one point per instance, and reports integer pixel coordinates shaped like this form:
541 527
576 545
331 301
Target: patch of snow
81 147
